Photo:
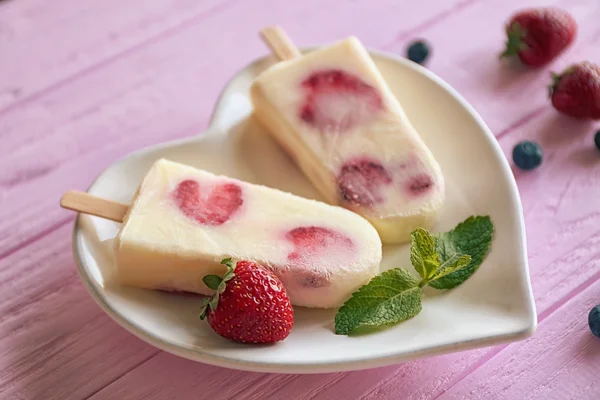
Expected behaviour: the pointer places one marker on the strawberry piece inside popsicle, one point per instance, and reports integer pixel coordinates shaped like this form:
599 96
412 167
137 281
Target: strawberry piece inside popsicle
360 180
208 206
336 101
314 248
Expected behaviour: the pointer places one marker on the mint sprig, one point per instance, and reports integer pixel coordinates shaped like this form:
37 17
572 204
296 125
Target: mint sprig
389 298
473 237
443 261
422 253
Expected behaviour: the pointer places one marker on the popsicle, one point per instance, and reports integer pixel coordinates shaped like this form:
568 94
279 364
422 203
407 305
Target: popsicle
332 111
184 221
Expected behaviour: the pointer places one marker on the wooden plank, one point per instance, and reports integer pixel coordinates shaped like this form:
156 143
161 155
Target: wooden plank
74 38
42 44
55 342
560 362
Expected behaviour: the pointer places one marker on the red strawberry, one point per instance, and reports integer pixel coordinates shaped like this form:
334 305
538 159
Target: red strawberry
576 91
250 304
208 206
538 35
336 101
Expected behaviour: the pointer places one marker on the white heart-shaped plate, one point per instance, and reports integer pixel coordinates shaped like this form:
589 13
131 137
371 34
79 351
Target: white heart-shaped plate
495 305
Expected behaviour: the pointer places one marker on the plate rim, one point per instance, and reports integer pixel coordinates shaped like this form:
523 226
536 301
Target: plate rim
337 366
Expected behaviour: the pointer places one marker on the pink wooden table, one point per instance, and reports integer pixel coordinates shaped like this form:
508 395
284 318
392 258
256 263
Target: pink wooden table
83 83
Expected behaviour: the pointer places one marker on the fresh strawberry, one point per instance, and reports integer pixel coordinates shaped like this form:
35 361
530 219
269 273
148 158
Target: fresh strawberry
576 91
208 206
538 35
250 304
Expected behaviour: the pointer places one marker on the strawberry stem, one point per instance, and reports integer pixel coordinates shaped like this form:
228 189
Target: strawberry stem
555 79
514 44
212 281
217 284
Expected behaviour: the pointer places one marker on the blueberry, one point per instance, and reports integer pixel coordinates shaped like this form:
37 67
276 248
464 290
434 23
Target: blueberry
527 155
418 51
597 140
594 320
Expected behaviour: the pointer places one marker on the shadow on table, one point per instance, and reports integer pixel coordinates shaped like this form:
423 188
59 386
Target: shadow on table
589 348
559 130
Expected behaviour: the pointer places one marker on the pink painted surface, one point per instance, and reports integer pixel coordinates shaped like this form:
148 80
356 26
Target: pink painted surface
84 83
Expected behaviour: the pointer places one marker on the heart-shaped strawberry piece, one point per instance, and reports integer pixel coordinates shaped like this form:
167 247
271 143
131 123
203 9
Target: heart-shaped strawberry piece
212 205
337 101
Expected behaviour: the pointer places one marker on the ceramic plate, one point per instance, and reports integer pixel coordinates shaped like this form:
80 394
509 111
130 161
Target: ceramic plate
496 305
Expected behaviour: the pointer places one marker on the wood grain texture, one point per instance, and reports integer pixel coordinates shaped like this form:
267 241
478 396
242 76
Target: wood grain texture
55 342
71 38
106 78
44 44
572 353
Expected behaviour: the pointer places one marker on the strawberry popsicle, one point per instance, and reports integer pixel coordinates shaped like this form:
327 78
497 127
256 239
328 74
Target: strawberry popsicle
332 111
184 221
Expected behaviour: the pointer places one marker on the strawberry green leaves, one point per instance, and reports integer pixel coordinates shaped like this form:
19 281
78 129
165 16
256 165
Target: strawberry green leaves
217 284
443 261
389 298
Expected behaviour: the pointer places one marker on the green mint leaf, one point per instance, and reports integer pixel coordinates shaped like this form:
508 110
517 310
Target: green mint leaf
389 298
471 237
422 253
451 265
212 281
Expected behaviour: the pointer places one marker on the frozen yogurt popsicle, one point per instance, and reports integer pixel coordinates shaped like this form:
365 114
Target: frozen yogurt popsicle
332 111
184 221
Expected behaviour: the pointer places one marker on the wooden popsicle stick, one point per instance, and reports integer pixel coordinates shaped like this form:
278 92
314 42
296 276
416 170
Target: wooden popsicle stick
280 43
87 204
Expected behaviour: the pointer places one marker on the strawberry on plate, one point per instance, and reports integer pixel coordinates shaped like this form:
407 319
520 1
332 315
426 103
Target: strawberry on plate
576 91
250 304
538 35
